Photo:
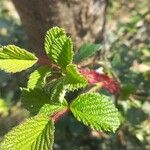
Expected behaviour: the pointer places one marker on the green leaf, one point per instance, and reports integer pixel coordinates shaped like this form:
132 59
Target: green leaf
56 90
62 51
49 109
34 99
36 133
14 59
86 50
59 47
50 37
73 79
38 78
96 110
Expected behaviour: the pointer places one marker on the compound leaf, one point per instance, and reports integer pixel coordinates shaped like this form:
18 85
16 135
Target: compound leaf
73 79
37 79
14 59
34 99
36 133
96 110
86 50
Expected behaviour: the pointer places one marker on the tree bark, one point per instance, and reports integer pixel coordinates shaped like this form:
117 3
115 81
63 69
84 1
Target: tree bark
83 19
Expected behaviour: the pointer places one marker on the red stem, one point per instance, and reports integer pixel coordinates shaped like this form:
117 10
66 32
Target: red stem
43 60
58 115
107 82
92 77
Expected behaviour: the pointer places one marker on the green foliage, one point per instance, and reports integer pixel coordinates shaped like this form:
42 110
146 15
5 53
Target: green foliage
14 59
62 51
34 99
36 133
127 41
73 79
49 109
59 47
86 50
57 90
97 111
45 95
51 35
38 78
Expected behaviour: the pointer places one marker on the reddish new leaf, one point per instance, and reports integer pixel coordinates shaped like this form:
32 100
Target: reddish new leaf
107 83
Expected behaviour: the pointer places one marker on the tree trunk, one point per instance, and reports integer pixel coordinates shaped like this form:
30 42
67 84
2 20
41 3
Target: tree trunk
84 20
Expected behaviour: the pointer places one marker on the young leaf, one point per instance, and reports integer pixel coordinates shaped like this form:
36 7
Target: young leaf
96 111
36 133
52 35
49 109
34 99
38 77
62 51
14 59
73 79
56 90
86 50
105 81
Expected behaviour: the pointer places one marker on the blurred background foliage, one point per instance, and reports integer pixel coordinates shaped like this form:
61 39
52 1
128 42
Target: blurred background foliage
127 57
